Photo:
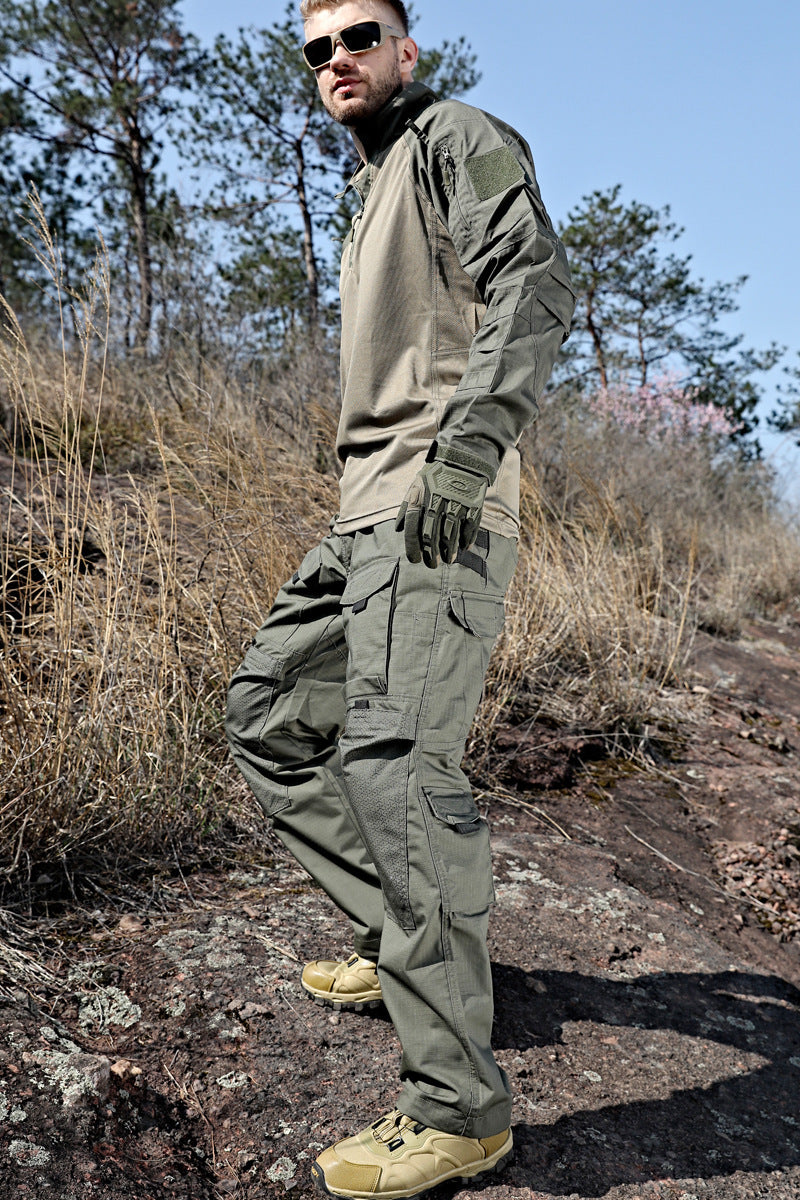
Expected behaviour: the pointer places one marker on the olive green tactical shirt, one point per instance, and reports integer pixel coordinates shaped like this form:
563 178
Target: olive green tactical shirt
455 298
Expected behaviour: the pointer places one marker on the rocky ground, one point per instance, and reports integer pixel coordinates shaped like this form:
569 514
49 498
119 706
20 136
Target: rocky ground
645 946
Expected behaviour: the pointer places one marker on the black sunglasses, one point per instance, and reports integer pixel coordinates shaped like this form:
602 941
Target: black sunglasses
356 39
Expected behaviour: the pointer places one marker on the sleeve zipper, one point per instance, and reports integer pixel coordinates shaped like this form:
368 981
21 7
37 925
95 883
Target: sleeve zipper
449 165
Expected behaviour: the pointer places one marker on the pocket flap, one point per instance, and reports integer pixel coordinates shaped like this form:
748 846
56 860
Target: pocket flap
557 294
366 581
264 666
379 719
483 616
454 808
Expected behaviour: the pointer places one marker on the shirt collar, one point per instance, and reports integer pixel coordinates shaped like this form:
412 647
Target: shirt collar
381 131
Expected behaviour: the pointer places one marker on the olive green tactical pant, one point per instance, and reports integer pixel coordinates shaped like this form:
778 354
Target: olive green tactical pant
348 718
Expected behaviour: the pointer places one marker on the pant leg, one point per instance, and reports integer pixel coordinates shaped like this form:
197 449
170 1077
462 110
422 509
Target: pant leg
286 710
418 646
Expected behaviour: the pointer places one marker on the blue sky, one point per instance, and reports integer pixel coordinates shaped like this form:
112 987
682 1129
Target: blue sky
691 105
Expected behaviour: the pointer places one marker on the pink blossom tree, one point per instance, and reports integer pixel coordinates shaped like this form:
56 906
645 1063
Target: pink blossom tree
665 408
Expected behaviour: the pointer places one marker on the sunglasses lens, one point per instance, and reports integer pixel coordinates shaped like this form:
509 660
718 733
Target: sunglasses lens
364 36
318 52
356 39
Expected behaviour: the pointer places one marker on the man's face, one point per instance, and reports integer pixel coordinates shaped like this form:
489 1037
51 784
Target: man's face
354 86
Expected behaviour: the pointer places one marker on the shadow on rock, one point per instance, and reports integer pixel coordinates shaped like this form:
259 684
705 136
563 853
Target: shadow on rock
744 1117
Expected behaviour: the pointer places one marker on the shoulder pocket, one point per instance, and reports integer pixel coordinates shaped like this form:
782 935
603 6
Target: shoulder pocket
494 172
451 183
556 294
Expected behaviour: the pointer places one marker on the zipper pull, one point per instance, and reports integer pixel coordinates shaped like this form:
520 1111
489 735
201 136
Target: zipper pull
449 162
354 223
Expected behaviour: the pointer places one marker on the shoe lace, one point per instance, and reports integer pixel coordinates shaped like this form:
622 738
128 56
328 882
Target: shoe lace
389 1130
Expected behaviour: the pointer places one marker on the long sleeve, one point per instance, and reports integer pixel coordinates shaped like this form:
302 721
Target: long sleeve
482 183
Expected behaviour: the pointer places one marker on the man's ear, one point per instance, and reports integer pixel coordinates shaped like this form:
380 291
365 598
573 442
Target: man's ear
409 53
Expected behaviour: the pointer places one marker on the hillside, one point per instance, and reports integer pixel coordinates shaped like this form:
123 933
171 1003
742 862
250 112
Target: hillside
645 943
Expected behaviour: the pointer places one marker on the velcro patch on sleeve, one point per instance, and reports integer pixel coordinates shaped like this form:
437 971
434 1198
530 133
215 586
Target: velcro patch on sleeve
492 173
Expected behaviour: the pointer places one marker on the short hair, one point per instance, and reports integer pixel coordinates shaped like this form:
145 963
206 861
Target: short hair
309 7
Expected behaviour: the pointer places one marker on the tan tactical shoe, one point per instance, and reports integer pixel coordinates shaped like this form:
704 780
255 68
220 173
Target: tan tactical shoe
351 984
398 1157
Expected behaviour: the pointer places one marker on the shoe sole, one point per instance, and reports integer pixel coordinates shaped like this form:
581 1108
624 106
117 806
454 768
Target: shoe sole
354 1004
482 1172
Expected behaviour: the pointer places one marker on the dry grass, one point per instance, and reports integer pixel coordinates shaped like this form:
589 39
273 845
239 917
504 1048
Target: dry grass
719 512
597 631
125 601
127 597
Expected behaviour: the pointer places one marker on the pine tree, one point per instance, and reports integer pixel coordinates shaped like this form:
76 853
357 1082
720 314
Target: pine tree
99 79
641 311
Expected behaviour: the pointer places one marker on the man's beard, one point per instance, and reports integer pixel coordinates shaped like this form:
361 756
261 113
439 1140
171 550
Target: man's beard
355 112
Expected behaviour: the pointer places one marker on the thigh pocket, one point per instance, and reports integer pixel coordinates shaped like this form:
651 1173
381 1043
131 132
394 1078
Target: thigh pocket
461 846
375 753
251 694
368 604
482 616
315 711
253 697
461 657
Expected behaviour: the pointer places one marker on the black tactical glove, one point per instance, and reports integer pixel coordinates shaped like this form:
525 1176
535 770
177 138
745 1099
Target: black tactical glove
441 513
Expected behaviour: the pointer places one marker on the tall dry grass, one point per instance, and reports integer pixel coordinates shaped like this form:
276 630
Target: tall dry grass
696 504
597 631
127 595
125 600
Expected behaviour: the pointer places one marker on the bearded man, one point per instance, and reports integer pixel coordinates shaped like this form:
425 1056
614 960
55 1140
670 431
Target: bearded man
350 713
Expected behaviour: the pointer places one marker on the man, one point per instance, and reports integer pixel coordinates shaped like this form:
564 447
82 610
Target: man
350 712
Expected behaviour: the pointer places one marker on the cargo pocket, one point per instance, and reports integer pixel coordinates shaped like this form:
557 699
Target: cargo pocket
252 695
375 755
460 840
252 692
482 616
368 604
315 710
461 661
